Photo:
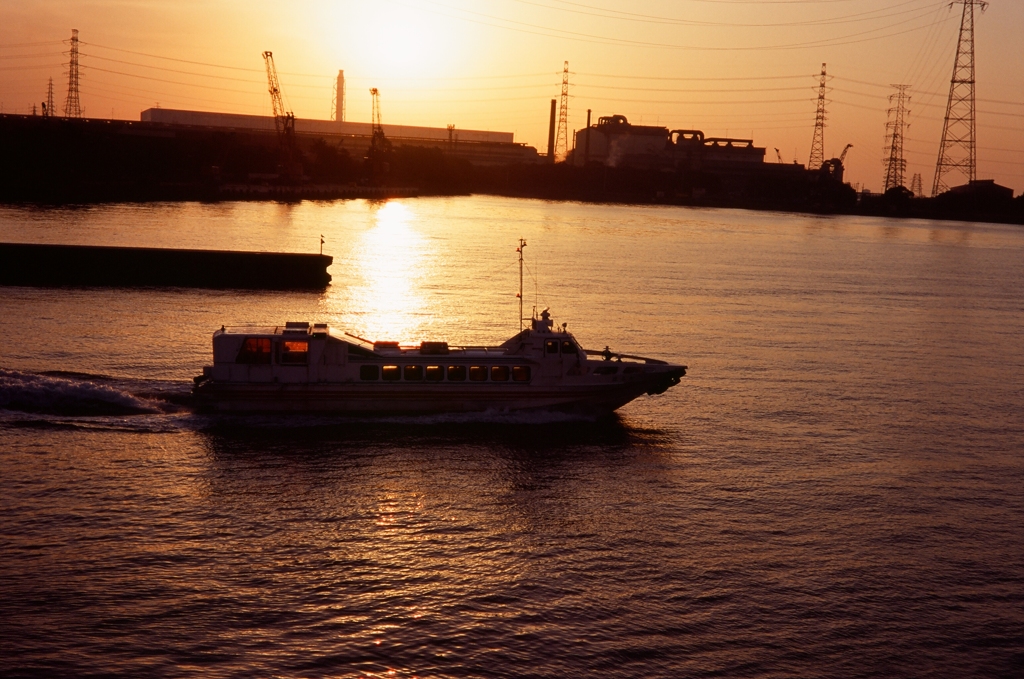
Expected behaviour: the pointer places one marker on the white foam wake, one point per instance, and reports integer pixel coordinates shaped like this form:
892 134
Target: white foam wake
27 392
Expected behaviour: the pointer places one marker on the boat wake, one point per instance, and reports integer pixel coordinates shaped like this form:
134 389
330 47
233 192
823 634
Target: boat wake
58 395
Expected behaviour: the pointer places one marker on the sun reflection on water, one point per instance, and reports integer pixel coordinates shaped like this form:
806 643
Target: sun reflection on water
389 264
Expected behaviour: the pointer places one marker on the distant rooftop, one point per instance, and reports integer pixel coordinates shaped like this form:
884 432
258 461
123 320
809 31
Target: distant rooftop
249 122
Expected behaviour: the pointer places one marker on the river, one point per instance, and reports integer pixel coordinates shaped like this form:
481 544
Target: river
835 489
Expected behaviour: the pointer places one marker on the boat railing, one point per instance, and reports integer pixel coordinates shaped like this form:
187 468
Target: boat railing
609 355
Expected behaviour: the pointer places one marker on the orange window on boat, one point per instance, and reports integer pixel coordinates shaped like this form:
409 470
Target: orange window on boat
254 350
294 352
457 373
477 373
520 373
413 372
391 373
551 346
435 373
499 373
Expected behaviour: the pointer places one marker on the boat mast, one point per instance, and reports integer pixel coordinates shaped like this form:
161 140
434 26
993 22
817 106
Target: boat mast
522 244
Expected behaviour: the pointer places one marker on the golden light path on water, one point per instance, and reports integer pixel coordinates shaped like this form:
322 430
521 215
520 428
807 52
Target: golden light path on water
390 261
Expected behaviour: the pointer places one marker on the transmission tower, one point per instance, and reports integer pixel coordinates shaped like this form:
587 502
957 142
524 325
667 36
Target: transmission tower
957 151
562 140
818 143
48 106
73 107
915 185
896 165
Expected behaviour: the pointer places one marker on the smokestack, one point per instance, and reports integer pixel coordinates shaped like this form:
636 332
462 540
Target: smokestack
339 113
551 134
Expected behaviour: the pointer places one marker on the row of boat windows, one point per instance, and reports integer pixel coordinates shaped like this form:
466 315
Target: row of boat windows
438 373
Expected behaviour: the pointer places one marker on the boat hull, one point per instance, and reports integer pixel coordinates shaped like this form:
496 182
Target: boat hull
403 399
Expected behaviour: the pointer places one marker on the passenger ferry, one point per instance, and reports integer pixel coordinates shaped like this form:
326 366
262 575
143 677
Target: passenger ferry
303 367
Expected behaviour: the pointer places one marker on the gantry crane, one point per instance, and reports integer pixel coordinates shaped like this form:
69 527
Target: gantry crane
284 121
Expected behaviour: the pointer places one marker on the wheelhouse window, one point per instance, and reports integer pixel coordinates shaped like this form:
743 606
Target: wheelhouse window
391 373
477 373
457 373
434 373
369 372
413 372
255 350
551 347
520 373
499 373
568 347
294 352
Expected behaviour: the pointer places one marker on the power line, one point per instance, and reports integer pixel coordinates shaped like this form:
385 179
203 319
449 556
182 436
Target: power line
597 39
671 21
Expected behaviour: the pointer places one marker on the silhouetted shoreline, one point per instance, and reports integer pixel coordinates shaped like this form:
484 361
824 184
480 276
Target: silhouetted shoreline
56 161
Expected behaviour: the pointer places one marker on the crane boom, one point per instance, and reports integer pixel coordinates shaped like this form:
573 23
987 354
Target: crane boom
284 121
842 156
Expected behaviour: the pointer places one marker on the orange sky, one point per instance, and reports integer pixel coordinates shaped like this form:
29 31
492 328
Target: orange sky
728 67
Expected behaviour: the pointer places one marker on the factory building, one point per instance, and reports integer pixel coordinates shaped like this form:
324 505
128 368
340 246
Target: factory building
615 142
477 146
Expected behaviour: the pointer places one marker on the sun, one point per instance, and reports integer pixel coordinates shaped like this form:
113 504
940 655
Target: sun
390 40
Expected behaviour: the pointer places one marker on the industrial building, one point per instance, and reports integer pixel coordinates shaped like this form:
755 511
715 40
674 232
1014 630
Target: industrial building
477 146
615 142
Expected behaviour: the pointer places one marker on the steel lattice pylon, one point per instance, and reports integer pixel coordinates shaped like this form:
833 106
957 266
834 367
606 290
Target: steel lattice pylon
72 105
562 139
957 151
818 142
896 165
48 106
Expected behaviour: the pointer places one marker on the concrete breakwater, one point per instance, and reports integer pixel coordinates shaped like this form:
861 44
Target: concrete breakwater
55 265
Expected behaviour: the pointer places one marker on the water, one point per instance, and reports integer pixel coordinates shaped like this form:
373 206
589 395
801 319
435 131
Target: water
836 488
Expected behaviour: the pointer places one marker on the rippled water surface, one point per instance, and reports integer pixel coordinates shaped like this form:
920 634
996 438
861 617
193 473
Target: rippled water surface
836 488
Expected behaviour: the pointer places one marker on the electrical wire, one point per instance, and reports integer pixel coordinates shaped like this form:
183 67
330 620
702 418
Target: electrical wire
671 21
586 37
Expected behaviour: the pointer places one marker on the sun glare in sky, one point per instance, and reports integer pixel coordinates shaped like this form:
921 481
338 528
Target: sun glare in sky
740 68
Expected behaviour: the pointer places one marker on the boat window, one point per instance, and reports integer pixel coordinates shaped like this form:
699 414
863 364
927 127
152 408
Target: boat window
478 373
435 373
520 373
294 352
413 372
457 373
391 373
551 346
606 370
568 347
369 372
254 350
499 373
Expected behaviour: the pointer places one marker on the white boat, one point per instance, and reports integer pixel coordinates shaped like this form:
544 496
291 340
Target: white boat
303 367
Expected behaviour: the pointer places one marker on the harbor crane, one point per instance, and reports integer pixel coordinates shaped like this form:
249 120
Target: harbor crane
380 146
779 156
378 142
284 122
842 156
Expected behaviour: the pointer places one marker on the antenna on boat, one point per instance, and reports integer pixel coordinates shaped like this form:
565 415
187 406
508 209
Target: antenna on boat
522 244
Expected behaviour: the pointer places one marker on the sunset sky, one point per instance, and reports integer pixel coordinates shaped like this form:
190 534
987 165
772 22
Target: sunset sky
729 67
